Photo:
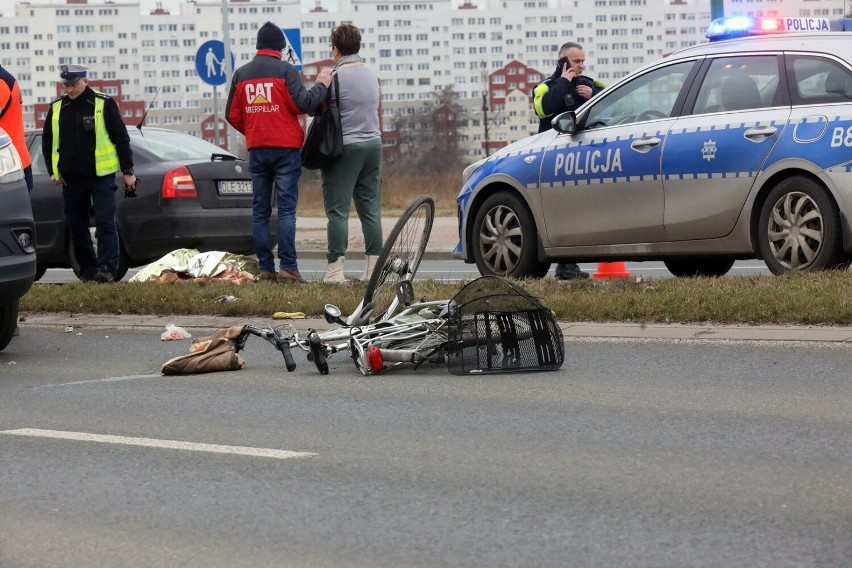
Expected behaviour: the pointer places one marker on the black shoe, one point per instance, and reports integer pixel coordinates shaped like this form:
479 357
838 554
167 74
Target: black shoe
103 275
572 276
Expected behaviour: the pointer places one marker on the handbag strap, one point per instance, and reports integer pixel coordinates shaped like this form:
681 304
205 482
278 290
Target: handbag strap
336 91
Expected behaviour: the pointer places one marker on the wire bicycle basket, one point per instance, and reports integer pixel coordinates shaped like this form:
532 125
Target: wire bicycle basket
496 326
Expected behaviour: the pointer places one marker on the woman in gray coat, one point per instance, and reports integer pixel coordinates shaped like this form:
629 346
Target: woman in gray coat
357 175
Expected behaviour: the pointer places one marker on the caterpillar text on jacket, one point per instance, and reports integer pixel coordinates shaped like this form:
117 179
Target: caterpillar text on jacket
264 108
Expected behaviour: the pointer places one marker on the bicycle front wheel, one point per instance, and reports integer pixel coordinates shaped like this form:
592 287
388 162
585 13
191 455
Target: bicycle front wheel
400 257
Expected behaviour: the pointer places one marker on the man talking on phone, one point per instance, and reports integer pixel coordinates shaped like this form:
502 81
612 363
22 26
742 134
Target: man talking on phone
565 90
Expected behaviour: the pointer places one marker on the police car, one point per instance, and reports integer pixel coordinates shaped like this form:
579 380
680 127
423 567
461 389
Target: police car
727 150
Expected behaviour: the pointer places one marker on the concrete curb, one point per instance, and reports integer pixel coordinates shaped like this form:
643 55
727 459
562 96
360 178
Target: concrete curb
571 330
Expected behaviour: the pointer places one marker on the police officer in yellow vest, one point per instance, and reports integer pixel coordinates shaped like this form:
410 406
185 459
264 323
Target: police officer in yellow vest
565 90
84 144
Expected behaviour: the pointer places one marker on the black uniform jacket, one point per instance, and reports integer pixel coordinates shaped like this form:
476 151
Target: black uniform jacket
77 136
561 96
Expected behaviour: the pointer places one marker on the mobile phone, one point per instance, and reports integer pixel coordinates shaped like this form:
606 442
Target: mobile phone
131 191
563 61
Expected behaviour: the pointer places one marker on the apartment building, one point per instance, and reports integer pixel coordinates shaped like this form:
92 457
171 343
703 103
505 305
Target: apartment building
500 48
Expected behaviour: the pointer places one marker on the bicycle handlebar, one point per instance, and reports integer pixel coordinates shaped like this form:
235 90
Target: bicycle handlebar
273 336
283 345
317 352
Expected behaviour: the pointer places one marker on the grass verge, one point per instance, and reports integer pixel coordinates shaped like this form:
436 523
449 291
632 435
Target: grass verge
801 299
399 189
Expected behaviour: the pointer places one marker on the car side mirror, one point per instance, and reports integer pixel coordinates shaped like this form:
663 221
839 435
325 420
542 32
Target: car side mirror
565 123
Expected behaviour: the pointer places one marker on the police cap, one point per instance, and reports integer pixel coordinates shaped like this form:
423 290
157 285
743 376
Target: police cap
72 73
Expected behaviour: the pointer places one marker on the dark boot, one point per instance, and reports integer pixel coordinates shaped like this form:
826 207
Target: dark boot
569 271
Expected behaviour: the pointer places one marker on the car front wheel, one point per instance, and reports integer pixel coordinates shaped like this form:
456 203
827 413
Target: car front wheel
800 228
505 239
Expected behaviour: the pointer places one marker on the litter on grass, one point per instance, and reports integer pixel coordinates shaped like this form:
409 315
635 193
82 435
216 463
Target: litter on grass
288 315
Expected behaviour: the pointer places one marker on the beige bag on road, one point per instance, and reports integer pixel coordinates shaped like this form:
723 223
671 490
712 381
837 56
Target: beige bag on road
216 352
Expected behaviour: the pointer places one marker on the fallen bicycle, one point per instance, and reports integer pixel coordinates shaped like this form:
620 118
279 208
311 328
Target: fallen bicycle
490 326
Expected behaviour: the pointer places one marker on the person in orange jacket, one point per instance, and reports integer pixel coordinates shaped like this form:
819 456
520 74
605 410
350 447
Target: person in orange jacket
12 120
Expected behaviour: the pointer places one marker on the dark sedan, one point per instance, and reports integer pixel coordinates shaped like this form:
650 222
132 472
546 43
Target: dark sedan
17 255
190 194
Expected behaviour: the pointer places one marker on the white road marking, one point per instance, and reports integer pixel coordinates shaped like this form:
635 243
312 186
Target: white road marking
154 443
107 380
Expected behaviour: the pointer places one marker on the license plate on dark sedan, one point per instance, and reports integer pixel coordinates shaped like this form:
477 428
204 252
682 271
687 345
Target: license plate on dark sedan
234 187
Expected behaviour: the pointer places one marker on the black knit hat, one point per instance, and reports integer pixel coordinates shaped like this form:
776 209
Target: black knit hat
270 36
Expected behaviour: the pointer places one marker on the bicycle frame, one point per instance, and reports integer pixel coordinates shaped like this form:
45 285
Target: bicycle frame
414 335
408 337
485 331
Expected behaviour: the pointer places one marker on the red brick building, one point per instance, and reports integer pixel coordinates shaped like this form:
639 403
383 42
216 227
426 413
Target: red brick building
208 131
514 75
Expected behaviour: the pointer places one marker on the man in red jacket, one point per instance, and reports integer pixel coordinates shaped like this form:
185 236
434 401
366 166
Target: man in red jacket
264 103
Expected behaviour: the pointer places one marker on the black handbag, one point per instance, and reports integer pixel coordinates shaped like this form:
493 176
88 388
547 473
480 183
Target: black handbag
324 139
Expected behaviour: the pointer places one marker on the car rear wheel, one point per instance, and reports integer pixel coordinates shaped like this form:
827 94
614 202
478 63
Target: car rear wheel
123 261
8 321
505 240
690 268
800 228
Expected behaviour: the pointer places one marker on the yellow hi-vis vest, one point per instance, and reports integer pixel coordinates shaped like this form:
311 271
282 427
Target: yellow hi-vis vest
106 156
540 90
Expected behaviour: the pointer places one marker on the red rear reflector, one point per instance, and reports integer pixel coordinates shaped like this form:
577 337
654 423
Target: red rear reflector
374 359
178 183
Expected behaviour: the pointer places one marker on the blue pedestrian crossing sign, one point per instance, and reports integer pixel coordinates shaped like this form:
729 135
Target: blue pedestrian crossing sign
210 62
292 52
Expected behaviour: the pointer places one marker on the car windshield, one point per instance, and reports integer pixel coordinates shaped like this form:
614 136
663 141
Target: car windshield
170 146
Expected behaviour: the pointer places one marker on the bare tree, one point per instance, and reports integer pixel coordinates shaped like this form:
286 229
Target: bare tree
428 136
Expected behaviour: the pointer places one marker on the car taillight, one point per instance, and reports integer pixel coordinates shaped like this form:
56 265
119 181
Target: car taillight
178 183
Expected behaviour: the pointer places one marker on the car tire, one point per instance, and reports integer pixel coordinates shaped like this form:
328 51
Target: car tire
505 239
8 321
40 270
692 268
799 228
123 261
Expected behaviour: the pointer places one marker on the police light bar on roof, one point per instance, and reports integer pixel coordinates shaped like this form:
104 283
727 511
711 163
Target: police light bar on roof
741 26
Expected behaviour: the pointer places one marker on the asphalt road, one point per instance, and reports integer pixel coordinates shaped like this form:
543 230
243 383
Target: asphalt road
314 268
635 453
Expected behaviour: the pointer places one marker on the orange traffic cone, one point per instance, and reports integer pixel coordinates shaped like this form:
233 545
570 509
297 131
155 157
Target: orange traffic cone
611 270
